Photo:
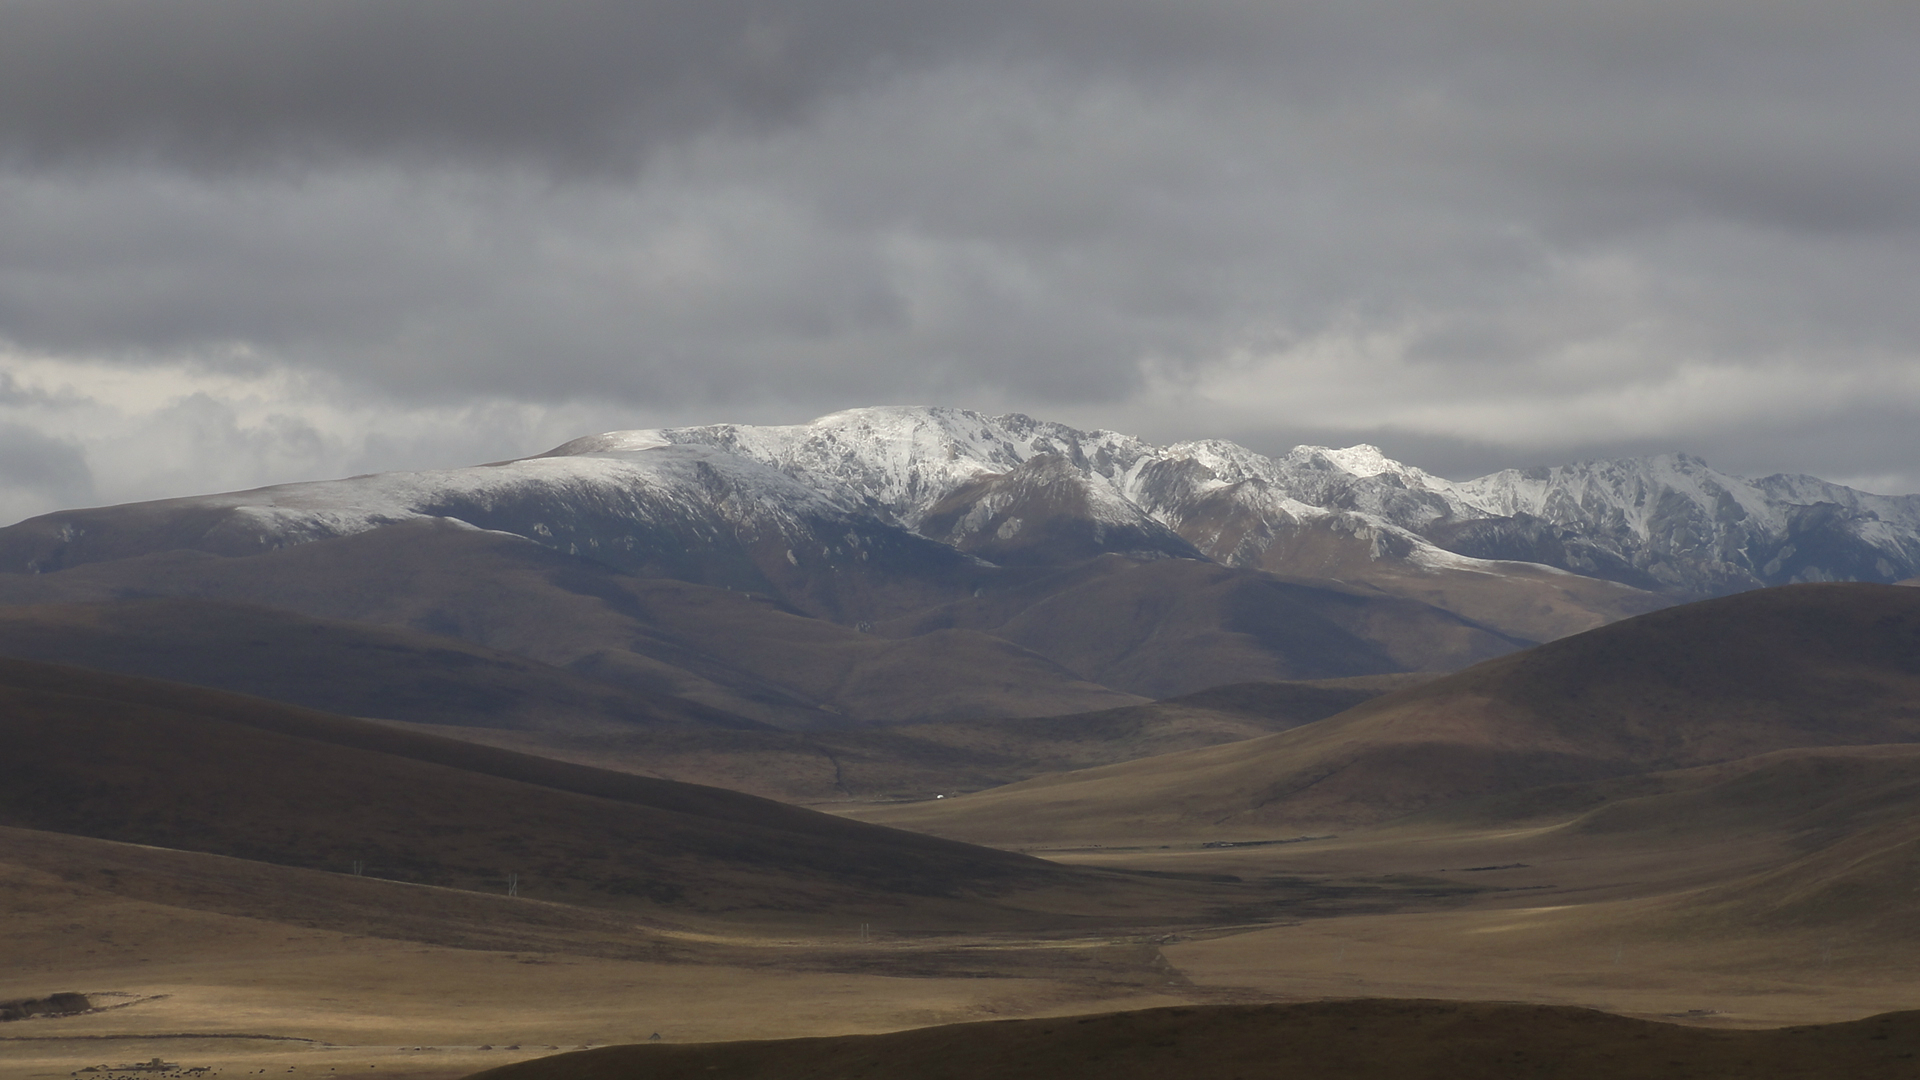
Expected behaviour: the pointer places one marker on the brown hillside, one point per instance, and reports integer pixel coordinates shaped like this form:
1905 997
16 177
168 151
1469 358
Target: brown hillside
1176 626
1849 819
1335 1040
743 654
974 751
147 762
355 669
92 880
1520 599
1034 643
470 692
1798 666
916 761
1839 828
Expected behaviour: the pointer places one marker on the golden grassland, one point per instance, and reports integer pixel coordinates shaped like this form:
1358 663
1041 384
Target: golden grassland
1695 888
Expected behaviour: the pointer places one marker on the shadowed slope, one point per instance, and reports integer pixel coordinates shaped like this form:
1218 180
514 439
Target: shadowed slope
90 882
354 669
137 760
1048 647
742 653
973 752
469 692
914 761
1333 1040
1177 626
1799 666
1847 820
1832 836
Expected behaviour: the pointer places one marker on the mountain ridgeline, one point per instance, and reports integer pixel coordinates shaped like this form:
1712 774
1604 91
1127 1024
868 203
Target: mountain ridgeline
925 495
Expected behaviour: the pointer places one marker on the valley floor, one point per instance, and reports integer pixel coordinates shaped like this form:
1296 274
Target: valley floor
1555 920
1516 915
236 995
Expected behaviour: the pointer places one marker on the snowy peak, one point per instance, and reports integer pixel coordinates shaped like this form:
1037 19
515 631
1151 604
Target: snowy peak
902 460
655 509
1365 460
1668 522
912 492
1635 492
1672 522
608 443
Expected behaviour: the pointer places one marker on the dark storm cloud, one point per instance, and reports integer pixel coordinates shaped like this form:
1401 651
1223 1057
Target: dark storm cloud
212 83
215 82
1469 228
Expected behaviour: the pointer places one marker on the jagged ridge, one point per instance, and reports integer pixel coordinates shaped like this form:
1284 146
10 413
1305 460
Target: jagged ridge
899 489
1669 522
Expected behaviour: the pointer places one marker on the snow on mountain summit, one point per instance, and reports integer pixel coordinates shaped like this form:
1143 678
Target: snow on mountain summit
917 487
903 460
1666 522
1365 459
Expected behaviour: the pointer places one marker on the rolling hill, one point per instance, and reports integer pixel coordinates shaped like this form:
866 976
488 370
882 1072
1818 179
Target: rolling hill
355 669
1719 680
1334 1040
742 653
448 687
1178 626
1165 627
1845 822
140 761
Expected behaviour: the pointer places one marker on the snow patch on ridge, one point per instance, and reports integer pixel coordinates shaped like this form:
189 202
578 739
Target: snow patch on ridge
659 482
1663 522
1666 513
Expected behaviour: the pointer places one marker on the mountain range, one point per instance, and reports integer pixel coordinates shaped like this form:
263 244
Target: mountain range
1015 490
927 496
892 565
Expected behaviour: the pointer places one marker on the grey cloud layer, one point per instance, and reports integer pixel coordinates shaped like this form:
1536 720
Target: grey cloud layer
1774 84
224 82
1689 224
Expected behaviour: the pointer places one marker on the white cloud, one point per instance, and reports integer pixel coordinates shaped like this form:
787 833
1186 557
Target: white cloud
119 434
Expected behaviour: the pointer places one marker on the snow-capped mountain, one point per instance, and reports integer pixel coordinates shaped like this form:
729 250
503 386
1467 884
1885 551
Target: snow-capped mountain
1669 523
629 501
935 496
1673 522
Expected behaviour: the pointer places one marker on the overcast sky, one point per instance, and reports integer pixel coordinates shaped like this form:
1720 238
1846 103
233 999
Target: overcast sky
245 242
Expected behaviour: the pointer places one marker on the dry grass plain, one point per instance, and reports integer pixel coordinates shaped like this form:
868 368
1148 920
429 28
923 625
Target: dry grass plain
311 987
1625 929
287 993
1769 890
